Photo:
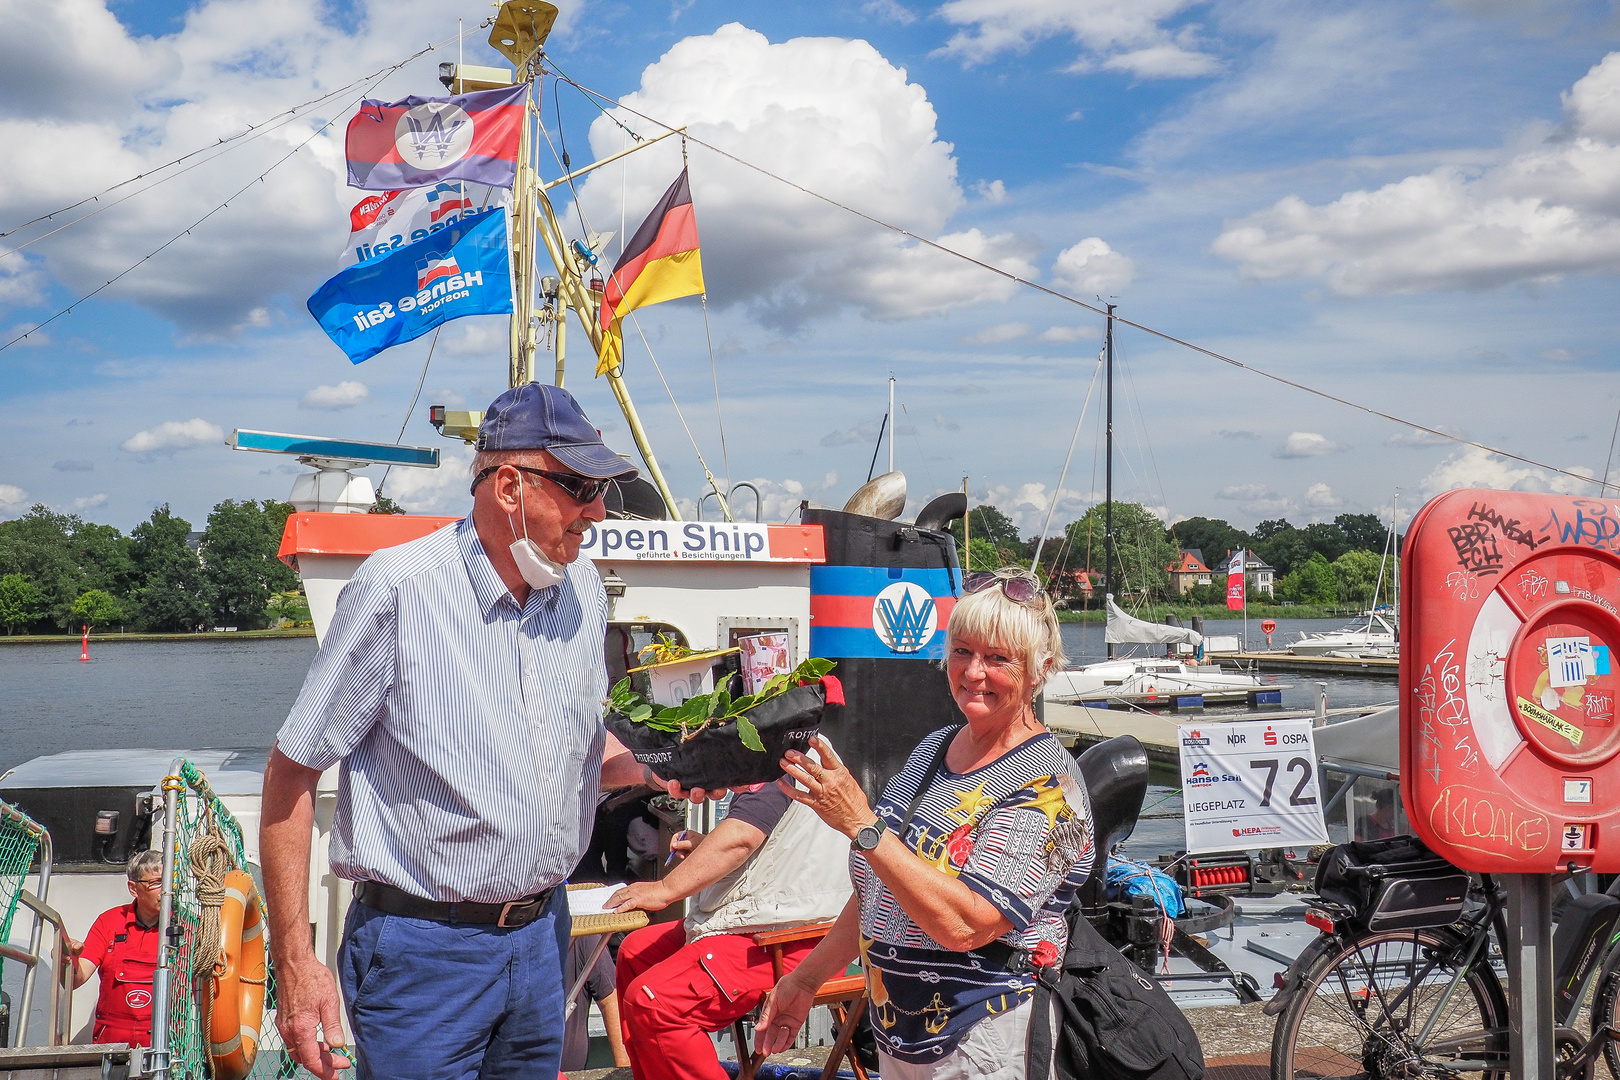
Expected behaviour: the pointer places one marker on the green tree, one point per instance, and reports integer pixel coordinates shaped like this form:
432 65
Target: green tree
385 505
1143 551
1327 540
1213 593
240 565
65 557
1313 582
1212 536
983 556
20 602
173 594
991 525
96 608
1357 572
1363 532
1281 545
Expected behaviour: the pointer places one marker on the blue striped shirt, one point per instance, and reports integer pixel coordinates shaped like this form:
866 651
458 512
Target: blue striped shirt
469 729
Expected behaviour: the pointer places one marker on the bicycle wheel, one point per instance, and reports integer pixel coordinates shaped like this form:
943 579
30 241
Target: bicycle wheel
1606 1011
1353 1017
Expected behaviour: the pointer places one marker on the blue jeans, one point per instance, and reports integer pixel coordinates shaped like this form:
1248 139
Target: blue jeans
430 1001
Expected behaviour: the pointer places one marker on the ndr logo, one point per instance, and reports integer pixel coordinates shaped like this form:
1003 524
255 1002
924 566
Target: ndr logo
904 618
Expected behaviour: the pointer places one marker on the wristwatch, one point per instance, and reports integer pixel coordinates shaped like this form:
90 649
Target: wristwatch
867 837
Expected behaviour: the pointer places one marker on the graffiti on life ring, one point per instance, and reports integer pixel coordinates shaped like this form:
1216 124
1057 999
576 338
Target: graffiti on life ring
1441 704
1484 821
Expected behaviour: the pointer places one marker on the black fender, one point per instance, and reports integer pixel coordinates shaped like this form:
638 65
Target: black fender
1295 975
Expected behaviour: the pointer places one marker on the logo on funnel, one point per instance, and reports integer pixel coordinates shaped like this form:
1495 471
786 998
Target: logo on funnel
904 617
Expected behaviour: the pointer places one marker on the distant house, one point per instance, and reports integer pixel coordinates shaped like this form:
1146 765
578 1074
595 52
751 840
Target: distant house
1082 583
1257 570
1188 571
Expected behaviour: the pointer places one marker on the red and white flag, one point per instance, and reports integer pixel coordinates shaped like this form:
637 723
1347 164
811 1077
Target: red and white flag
1234 583
418 141
384 222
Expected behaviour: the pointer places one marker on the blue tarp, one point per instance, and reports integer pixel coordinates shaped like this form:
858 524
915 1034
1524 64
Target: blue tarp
1126 878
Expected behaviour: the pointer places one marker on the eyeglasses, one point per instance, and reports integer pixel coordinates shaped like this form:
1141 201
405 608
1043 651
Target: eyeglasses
582 489
155 883
1020 588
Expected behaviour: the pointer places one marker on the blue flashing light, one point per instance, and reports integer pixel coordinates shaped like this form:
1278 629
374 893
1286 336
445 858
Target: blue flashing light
275 442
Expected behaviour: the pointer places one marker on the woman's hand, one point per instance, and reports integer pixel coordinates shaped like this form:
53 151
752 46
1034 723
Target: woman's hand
783 1015
640 896
831 790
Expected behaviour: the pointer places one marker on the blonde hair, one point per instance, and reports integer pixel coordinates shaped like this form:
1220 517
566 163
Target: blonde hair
1029 631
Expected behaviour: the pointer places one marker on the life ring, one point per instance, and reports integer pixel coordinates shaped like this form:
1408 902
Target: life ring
239 982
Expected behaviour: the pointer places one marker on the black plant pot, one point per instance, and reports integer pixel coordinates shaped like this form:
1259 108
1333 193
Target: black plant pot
716 757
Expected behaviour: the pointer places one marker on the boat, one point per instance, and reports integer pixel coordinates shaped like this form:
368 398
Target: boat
1155 682
1373 638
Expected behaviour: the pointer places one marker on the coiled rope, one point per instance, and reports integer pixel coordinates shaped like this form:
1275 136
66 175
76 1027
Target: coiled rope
211 860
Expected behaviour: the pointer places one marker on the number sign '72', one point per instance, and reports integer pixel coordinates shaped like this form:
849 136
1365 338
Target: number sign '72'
1248 785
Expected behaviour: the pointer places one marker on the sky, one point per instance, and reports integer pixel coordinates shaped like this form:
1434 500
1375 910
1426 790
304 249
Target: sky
1414 208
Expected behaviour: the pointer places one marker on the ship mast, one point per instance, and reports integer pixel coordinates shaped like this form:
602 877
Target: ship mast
519 34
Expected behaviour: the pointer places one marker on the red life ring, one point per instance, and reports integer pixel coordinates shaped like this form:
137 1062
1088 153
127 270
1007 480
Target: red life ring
238 1002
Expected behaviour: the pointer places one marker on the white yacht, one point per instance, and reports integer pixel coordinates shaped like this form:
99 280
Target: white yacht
1375 637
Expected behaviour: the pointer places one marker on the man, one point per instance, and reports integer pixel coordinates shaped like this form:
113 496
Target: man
459 687
770 864
123 945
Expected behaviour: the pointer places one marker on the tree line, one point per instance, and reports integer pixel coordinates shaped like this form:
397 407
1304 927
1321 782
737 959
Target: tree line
60 572
1323 563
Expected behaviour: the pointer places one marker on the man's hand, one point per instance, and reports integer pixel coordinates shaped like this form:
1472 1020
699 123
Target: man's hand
309 1017
72 947
641 896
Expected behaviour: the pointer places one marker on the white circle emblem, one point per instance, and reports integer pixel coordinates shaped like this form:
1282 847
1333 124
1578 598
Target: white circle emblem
904 617
433 134
138 998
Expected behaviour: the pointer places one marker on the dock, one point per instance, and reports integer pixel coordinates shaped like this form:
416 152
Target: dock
1382 667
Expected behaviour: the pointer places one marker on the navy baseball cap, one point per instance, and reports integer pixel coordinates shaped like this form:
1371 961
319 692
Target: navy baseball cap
538 416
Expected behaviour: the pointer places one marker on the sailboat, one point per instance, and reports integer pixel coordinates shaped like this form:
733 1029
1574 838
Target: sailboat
1359 640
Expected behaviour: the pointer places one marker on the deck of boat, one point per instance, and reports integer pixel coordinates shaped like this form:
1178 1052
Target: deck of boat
1078 726
1322 665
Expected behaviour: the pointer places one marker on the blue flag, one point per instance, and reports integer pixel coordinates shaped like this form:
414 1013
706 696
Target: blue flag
462 270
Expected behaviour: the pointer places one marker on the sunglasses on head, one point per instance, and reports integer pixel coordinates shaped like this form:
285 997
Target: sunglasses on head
1021 589
582 489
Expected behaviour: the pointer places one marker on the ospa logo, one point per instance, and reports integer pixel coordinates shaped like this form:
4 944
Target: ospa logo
138 998
904 617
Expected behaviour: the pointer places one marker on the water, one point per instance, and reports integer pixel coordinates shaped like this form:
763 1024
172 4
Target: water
216 693
151 694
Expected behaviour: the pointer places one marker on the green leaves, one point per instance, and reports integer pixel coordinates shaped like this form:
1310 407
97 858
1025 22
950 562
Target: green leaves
698 712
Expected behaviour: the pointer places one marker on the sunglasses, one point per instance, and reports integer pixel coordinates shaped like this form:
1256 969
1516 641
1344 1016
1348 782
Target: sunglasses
1020 589
582 489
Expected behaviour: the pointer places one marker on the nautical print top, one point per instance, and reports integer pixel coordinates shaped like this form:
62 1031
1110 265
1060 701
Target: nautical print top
469 730
1017 832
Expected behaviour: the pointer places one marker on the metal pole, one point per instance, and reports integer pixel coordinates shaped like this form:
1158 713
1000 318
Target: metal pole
158 1056
967 536
562 334
891 423
1108 513
27 1005
1529 964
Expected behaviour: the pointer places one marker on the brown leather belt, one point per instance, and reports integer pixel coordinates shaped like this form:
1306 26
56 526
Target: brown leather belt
392 901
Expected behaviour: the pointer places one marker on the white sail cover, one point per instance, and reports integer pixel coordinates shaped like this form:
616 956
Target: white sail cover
1126 629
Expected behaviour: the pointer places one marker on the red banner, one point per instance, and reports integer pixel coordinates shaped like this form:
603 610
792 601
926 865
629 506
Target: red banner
1234 586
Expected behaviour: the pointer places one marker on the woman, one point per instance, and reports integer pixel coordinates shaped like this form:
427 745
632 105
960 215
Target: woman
952 905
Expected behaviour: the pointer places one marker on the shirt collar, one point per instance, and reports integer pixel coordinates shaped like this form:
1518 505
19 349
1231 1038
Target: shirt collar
487 584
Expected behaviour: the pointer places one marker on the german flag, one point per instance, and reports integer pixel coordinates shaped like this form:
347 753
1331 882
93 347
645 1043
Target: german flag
661 262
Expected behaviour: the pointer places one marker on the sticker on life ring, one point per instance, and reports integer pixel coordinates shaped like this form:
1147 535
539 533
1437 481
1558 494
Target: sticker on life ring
139 998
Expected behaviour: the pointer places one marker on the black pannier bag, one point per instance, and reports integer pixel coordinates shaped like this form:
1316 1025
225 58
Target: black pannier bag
1113 1021
1392 884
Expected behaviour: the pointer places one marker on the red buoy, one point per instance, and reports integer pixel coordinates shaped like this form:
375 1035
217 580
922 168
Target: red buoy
84 647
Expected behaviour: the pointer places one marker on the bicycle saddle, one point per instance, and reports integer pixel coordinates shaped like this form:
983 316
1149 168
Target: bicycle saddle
1116 775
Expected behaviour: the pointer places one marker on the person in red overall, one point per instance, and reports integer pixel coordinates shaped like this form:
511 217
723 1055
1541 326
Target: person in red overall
123 946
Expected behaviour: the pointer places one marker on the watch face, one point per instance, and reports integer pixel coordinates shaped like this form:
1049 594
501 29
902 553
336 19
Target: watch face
868 837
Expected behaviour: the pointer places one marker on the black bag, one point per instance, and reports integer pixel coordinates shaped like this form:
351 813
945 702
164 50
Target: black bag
1392 884
715 757
1114 1022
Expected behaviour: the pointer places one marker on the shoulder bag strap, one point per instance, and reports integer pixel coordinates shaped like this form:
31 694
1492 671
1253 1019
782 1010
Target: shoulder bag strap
1039 1058
928 778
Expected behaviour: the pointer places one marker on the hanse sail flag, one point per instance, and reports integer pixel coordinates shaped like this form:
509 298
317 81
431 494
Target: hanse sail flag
661 262
387 222
419 141
397 297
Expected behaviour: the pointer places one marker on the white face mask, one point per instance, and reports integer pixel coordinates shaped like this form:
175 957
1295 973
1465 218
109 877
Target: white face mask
539 571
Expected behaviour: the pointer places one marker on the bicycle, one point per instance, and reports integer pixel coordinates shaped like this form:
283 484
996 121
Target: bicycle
1399 986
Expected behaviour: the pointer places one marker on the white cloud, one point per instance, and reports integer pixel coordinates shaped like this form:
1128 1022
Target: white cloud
1474 467
174 435
1257 499
1063 335
89 502
21 285
12 499
1119 35
993 192
999 334
1543 213
1320 496
345 395
835 116
1244 492
864 432
1091 266
891 10
1417 437
434 491
1301 444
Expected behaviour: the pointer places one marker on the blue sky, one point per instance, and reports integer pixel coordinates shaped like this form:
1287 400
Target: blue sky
1415 207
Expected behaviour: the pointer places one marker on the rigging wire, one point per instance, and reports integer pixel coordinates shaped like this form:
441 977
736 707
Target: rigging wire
1057 492
1610 459
253 130
420 379
714 372
187 230
1142 426
916 447
1009 275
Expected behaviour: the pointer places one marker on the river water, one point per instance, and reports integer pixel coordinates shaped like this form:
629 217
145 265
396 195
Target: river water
220 692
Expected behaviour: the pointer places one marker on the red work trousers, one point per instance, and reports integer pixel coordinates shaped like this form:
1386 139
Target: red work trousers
672 994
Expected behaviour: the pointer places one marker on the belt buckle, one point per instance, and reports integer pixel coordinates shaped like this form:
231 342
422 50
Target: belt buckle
507 910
